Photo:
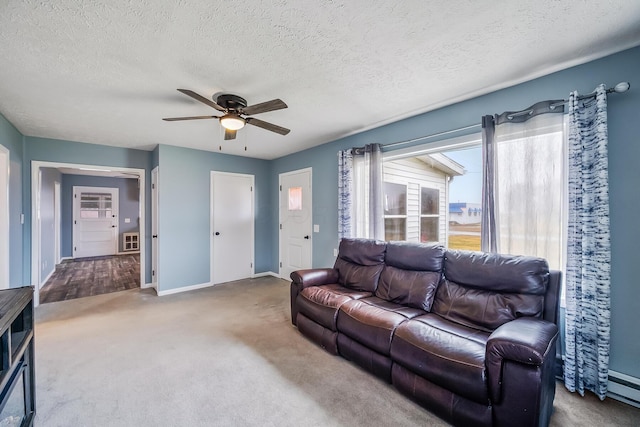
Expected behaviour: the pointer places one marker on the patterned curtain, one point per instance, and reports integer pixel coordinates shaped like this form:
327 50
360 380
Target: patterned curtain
588 247
345 193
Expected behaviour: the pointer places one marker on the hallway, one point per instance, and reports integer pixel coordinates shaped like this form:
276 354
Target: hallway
85 277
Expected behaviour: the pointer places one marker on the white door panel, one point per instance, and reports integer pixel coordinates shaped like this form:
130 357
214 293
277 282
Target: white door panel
232 226
295 221
95 217
154 227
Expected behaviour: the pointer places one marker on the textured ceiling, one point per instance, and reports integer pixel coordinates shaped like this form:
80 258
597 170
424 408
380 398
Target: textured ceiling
106 72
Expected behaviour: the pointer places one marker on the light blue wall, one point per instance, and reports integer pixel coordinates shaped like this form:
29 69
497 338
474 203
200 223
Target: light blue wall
624 175
184 213
184 187
47 222
12 139
128 205
53 150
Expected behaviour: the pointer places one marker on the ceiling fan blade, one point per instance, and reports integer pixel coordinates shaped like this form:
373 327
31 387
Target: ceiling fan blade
229 134
268 126
175 119
201 99
263 107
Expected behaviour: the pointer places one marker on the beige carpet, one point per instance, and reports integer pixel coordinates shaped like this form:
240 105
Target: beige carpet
222 356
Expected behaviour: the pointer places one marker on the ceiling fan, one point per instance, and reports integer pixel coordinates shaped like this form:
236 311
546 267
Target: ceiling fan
235 111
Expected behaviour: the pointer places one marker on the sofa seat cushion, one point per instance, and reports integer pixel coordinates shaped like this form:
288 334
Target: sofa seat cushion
372 321
445 353
321 303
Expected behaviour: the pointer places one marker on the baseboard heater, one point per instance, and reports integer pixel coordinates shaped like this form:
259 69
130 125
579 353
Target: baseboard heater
624 388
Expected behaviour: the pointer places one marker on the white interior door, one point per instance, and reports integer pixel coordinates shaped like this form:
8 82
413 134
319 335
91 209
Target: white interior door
57 217
154 227
232 226
4 218
295 221
95 221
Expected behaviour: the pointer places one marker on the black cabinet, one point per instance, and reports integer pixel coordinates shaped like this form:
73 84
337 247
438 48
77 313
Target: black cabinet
17 376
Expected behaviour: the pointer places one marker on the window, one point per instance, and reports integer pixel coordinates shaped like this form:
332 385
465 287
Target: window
395 211
295 198
95 205
429 214
530 191
442 184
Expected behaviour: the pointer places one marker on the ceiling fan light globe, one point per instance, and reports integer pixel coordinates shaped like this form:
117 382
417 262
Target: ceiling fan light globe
232 122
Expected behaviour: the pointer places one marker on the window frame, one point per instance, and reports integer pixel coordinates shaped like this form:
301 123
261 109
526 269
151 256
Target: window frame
437 216
397 216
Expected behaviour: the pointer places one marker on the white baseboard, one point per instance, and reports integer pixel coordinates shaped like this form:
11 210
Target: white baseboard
183 289
624 388
128 252
147 285
47 278
201 285
64 258
266 273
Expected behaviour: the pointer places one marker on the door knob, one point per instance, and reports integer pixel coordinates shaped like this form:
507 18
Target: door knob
306 237
217 233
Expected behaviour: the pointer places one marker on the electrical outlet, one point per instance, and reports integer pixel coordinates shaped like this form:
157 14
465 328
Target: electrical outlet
316 228
335 252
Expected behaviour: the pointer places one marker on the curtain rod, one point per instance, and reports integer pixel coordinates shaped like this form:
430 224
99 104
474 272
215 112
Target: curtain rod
433 135
619 88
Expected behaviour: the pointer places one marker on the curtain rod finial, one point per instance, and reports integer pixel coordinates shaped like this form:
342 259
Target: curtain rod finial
621 87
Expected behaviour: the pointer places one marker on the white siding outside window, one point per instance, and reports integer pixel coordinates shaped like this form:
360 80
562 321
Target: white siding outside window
415 175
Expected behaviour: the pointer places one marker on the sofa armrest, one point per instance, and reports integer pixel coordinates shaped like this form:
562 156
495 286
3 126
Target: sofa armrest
301 279
314 277
525 340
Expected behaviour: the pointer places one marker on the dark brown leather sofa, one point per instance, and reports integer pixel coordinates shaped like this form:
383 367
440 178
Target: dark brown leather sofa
469 335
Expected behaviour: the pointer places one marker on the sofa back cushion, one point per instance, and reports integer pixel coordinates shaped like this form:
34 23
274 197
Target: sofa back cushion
359 263
411 274
484 291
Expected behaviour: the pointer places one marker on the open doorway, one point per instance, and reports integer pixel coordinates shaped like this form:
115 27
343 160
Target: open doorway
121 268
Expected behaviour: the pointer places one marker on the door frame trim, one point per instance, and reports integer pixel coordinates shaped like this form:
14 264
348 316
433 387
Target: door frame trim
36 165
283 174
5 219
155 220
212 220
75 215
57 219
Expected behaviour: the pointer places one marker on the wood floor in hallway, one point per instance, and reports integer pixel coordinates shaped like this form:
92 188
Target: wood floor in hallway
85 277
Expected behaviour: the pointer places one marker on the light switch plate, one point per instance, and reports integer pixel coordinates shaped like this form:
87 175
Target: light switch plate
316 228
127 220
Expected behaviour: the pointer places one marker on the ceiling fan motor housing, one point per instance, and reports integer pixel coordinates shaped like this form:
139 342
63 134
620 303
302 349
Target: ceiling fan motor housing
231 102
